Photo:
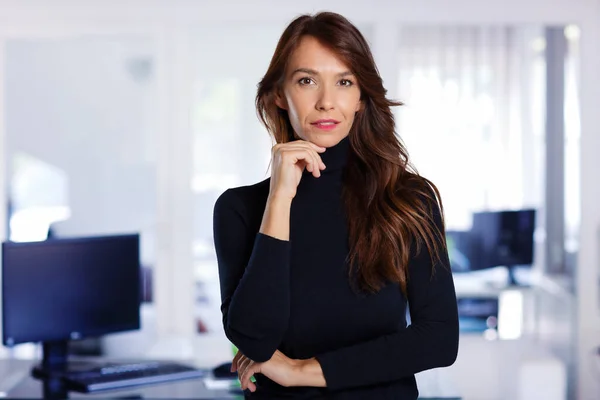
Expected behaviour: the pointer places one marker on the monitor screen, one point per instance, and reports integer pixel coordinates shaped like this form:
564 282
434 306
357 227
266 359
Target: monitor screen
63 289
460 251
503 238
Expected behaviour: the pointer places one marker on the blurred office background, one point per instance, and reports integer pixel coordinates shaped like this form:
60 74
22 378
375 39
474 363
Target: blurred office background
135 116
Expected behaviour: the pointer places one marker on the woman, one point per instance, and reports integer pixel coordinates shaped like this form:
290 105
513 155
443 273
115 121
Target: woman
317 263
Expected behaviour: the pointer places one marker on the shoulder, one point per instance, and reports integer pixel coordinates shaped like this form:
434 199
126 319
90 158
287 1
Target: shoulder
424 190
245 200
424 198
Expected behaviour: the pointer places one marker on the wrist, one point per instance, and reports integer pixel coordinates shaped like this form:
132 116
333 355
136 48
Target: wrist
308 373
278 199
276 218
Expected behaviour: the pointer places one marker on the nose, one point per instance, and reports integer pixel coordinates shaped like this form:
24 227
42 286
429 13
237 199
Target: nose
326 100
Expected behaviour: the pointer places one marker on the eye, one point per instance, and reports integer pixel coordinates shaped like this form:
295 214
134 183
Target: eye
346 82
305 81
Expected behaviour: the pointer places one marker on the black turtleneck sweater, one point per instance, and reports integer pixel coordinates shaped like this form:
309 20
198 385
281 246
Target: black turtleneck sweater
295 296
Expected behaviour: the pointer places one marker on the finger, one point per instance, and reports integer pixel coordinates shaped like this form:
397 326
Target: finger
309 166
316 163
243 365
305 144
317 148
312 160
296 155
239 374
319 162
308 157
241 378
248 373
235 361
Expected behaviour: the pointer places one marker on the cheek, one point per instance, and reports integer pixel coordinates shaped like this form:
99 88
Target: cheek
292 113
295 116
299 107
351 105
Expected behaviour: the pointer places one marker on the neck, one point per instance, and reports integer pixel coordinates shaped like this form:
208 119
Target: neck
335 157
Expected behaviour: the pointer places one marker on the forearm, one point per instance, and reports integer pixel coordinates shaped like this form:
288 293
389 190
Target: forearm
431 341
310 373
391 357
276 218
254 275
257 315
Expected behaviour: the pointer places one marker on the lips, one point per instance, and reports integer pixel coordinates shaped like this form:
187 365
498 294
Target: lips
325 123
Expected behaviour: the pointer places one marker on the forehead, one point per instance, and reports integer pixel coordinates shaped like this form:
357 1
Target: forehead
311 54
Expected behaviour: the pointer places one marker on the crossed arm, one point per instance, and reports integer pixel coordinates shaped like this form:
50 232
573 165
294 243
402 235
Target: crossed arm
281 369
255 307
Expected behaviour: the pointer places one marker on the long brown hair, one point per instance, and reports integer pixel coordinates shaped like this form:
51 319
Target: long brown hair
393 208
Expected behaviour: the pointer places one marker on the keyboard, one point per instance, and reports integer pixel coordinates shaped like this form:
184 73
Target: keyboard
116 376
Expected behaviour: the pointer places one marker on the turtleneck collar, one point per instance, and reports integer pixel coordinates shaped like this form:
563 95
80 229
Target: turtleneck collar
335 157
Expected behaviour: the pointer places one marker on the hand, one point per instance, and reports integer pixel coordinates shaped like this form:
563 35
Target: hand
280 369
289 161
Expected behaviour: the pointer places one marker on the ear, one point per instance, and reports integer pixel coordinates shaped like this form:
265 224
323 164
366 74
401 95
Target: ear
280 100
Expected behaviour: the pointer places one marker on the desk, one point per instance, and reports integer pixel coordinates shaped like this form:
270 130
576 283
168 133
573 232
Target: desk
17 383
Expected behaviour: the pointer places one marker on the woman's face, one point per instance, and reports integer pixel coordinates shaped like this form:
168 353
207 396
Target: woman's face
320 94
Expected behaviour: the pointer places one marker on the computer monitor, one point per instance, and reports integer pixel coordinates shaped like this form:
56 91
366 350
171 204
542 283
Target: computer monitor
69 288
503 238
460 251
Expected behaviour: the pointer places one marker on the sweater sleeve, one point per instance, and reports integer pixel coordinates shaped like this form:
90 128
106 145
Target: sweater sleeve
431 341
254 276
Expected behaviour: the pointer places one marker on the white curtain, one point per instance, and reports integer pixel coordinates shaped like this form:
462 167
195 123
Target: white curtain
572 135
473 119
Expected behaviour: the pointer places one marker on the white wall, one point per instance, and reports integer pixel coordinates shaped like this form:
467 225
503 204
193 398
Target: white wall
79 105
148 12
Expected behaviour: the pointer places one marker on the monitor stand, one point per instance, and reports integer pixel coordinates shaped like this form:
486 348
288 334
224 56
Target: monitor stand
55 362
512 280
55 388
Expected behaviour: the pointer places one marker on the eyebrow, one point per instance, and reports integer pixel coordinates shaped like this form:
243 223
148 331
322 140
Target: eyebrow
313 72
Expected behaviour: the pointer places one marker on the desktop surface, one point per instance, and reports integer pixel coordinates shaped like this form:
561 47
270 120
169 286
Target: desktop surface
94 377
16 382
22 385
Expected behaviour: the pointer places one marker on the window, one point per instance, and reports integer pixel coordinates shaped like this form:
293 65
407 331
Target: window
473 119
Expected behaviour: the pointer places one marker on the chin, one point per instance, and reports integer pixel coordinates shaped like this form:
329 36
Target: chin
326 140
